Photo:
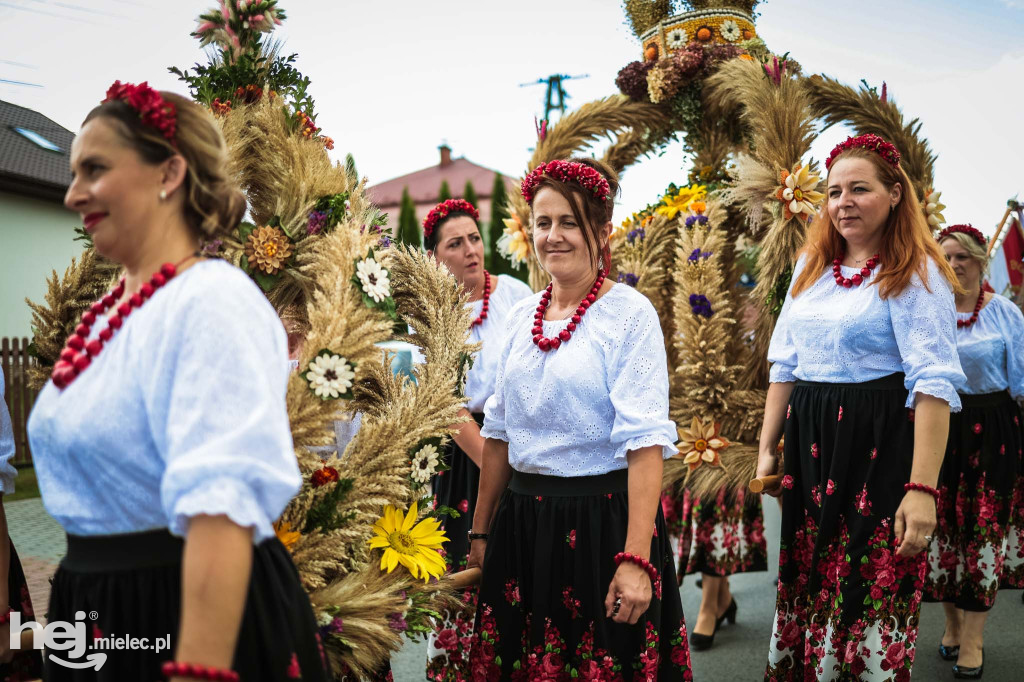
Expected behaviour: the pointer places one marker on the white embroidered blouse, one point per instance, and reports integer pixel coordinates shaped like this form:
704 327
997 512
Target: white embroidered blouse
992 349
578 410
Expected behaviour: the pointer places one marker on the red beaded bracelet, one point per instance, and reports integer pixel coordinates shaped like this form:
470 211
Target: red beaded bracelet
6 617
652 572
907 487
198 672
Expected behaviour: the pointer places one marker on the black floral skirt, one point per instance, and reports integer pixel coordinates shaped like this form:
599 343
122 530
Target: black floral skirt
847 606
720 536
550 559
129 586
27 664
448 646
967 559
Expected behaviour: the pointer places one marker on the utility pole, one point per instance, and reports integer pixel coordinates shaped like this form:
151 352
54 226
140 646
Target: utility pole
555 97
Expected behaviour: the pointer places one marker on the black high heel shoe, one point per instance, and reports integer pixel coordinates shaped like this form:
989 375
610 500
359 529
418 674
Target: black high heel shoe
961 673
949 653
729 615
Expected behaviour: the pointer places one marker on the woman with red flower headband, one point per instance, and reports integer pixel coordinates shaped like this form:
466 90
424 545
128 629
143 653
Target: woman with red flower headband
162 443
451 234
863 379
577 567
978 547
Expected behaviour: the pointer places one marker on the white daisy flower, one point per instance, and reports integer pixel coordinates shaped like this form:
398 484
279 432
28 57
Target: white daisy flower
330 376
730 30
374 279
424 464
676 38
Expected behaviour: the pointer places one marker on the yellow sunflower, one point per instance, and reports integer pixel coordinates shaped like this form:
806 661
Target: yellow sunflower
414 545
701 444
672 205
286 535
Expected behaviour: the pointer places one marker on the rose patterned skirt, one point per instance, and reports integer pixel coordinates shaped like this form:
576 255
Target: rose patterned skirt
977 547
26 664
721 536
847 606
130 586
456 487
550 559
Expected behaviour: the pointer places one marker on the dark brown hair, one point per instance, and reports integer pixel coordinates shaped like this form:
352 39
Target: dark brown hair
590 212
213 203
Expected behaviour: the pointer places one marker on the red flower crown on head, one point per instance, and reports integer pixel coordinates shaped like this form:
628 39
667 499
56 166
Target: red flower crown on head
154 110
567 171
870 142
969 230
445 209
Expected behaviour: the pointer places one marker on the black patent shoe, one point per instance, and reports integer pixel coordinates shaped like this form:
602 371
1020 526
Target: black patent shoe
949 653
962 673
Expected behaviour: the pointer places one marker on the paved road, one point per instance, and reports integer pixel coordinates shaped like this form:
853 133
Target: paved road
740 650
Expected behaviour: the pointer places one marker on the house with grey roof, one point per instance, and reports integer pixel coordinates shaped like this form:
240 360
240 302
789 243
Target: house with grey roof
36 231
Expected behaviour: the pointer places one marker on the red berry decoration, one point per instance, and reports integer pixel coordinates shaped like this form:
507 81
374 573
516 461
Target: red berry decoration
856 280
487 300
546 344
77 353
960 324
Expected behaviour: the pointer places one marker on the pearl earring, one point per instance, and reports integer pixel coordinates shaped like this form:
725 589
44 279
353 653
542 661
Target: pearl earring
163 194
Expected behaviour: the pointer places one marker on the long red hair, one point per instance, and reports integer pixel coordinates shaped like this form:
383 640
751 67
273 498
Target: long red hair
907 243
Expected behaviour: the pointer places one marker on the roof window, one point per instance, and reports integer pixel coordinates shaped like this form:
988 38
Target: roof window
37 139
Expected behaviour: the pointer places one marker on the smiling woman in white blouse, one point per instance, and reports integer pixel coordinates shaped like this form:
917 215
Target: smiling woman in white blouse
451 234
864 375
162 443
568 525
978 547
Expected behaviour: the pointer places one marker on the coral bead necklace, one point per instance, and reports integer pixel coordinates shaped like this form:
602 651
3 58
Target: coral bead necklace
848 282
487 300
546 344
960 324
79 350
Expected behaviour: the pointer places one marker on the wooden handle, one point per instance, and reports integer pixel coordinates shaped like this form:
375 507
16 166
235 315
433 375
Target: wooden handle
467 578
765 483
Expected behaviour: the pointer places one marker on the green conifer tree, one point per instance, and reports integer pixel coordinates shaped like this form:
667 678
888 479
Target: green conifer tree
445 193
408 226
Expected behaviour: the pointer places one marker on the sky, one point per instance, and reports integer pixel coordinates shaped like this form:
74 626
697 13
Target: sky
393 80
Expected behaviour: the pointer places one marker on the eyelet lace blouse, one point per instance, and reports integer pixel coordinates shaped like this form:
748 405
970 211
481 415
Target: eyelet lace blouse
992 349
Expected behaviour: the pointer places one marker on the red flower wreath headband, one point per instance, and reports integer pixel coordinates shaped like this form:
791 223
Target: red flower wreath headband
870 142
154 110
969 230
567 171
445 209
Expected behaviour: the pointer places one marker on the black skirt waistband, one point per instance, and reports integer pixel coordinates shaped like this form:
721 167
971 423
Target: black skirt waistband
478 416
569 486
985 399
886 383
128 551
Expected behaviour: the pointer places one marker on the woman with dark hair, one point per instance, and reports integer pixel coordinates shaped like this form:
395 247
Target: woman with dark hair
568 527
451 234
162 442
974 551
864 376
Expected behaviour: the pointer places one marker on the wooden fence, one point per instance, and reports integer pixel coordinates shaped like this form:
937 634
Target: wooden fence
14 362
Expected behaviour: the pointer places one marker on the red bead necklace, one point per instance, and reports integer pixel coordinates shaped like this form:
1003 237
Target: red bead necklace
856 279
487 300
960 324
546 344
79 350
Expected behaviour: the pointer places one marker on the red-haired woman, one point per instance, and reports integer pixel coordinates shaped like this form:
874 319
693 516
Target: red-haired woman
451 235
864 376
575 551
976 548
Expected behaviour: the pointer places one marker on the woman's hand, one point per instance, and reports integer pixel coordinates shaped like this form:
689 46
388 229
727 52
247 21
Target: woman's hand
632 585
477 548
915 519
768 464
